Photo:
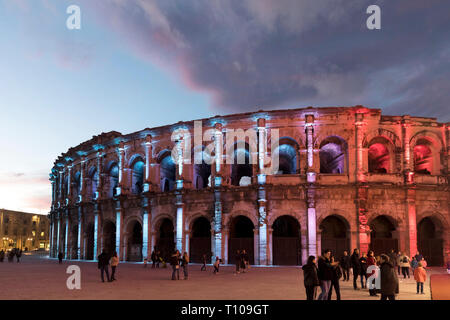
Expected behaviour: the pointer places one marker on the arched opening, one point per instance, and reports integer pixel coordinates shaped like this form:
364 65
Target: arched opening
74 243
423 157
379 156
90 242
200 242
93 181
167 172
77 184
202 170
134 241
241 169
382 236
286 241
165 242
241 238
137 180
287 159
429 242
333 154
113 179
109 237
334 235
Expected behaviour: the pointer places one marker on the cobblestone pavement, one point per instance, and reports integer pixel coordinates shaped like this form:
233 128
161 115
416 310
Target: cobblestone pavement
37 277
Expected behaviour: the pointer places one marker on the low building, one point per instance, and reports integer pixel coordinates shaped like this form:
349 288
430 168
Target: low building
23 230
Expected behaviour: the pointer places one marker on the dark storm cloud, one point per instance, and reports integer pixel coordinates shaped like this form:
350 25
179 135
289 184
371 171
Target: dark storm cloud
268 54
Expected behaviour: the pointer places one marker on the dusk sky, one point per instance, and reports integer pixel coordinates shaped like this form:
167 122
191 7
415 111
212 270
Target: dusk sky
137 64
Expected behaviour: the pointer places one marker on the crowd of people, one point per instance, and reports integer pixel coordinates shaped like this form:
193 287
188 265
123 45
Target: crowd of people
15 252
327 272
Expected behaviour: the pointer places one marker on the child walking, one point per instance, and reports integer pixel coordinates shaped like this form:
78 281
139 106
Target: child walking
420 275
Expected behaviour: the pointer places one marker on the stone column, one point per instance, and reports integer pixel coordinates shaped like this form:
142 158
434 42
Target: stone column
224 249
148 157
58 236
80 243
119 231
179 225
121 151
69 184
310 187
411 218
361 185
187 238
146 229
100 173
51 232
82 194
269 246
66 236
97 232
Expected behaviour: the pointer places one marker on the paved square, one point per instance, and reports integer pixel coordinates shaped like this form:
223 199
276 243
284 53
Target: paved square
37 277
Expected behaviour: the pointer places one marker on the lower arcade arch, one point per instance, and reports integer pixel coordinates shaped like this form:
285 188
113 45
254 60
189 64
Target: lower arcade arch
335 235
241 238
286 241
165 242
109 237
429 241
134 241
89 238
200 241
383 237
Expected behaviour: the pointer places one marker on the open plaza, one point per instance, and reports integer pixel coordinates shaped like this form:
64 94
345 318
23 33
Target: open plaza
38 277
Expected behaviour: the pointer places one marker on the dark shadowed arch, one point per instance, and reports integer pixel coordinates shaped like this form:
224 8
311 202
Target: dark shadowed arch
241 238
286 241
200 242
429 241
334 235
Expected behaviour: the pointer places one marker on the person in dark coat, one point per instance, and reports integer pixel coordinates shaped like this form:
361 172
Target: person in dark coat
237 259
345 264
153 257
310 278
418 257
393 258
337 274
103 265
242 261
363 270
175 263
356 267
18 255
371 261
325 273
204 263
389 279
60 257
184 265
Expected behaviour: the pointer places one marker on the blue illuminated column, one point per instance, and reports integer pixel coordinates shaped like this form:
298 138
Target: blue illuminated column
52 234
58 233
121 168
218 226
96 236
179 230
119 233
66 236
146 227
80 233
69 174
148 156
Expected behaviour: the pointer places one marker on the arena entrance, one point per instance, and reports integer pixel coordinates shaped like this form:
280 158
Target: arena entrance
286 241
200 242
134 248
381 237
89 242
334 235
241 238
165 242
109 237
429 243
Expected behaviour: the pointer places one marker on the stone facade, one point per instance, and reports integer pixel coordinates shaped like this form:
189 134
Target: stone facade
349 177
23 230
